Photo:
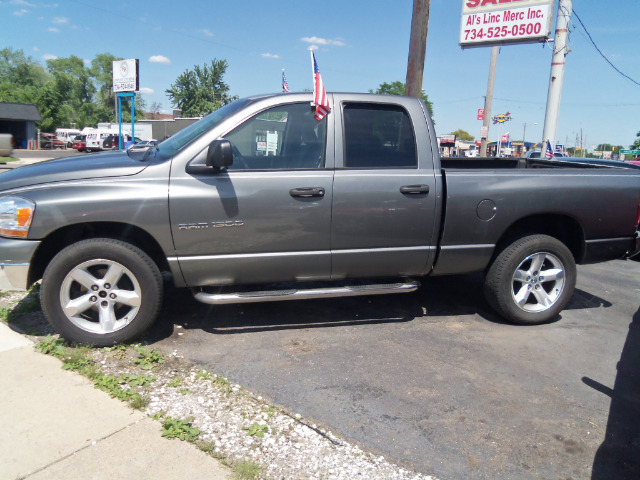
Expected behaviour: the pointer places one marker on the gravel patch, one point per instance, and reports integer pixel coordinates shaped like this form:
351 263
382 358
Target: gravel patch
238 426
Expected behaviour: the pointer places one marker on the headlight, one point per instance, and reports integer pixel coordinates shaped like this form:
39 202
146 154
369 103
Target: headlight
15 216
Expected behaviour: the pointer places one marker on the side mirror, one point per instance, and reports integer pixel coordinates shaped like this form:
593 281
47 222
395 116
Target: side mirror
220 154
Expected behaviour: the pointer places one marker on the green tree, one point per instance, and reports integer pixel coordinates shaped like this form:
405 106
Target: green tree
202 90
399 88
21 77
607 147
102 73
463 135
636 145
75 88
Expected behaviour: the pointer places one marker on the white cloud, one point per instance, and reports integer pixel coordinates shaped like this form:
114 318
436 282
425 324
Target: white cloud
148 91
323 41
53 30
159 59
48 56
270 55
60 20
20 13
36 49
24 3
207 32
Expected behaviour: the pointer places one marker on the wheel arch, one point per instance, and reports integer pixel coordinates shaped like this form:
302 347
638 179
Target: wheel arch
562 227
65 236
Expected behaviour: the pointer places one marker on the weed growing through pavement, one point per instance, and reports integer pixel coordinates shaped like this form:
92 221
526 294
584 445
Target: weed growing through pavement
176 382
147 359
180 429
248 470
256 430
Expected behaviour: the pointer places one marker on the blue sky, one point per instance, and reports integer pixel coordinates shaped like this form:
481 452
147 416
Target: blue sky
360 44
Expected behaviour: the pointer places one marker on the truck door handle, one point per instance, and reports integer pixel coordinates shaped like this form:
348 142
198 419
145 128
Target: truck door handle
415 189
307 192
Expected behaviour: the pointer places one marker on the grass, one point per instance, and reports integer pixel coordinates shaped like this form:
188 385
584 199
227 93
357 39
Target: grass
77 359
30 303
8 159
131 388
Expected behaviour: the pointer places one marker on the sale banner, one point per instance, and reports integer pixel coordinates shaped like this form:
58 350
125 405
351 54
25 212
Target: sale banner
496 22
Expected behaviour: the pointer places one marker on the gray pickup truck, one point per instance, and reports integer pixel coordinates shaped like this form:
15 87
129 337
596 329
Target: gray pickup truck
259 201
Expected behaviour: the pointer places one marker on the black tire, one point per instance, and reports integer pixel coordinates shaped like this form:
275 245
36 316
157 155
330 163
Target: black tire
101 292
531 280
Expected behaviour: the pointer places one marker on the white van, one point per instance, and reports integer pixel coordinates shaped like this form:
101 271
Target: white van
67 135
95 138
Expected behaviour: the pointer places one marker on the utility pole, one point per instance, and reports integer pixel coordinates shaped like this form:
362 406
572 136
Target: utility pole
417 48
560 51
488 100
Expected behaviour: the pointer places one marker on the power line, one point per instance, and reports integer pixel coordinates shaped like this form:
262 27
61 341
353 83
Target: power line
600 51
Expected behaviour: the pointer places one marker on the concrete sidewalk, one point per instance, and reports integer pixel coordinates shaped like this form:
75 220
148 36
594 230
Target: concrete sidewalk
55 424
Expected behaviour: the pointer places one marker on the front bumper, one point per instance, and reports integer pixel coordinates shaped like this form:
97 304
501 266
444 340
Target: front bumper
15 260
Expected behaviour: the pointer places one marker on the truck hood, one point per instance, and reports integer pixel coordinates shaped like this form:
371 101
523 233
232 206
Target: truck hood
72 168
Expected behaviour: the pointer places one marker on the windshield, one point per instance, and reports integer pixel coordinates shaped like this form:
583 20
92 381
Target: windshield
177 142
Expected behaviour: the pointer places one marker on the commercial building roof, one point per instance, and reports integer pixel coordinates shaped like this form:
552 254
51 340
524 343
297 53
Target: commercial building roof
19 112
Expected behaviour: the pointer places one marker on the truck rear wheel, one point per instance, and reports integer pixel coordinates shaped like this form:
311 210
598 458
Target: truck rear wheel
101 292
531 280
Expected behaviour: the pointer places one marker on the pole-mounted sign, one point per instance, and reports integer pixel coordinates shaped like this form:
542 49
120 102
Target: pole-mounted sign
125 84
125 75
497 22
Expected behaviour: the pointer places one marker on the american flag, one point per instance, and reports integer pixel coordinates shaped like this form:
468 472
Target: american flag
320 99
549 152
285 85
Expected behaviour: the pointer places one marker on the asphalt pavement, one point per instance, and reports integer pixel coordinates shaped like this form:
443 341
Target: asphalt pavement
57 425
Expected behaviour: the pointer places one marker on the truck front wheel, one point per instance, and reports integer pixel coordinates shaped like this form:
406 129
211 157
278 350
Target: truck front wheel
531 280
101 292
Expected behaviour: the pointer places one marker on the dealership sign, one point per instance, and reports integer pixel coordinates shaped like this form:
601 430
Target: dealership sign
496 22
125 76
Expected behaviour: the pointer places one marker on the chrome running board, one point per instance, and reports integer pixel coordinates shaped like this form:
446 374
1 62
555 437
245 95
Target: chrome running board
306 293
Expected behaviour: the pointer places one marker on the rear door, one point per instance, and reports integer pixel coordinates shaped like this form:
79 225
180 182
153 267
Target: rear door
385 190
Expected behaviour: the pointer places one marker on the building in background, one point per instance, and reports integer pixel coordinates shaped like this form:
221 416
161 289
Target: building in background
19 119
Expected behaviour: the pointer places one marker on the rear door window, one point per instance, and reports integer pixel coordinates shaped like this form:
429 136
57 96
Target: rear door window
378 136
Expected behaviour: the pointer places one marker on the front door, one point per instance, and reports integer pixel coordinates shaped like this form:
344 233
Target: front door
267 218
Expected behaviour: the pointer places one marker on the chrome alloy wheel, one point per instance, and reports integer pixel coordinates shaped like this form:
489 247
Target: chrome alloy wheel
538 282
100 296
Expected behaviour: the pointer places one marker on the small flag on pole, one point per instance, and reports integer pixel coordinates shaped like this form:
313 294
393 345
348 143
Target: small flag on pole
320 99
285 85
549 152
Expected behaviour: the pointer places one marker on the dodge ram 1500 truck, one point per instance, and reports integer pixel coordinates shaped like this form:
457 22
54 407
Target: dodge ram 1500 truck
259 201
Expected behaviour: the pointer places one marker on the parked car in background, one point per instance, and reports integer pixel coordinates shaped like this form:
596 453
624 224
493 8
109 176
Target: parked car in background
112 142
48 141
79 143
95 139
67 135
142 146
602 162
536 154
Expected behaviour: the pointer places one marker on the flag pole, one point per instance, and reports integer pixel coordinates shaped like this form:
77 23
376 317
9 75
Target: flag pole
313 72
